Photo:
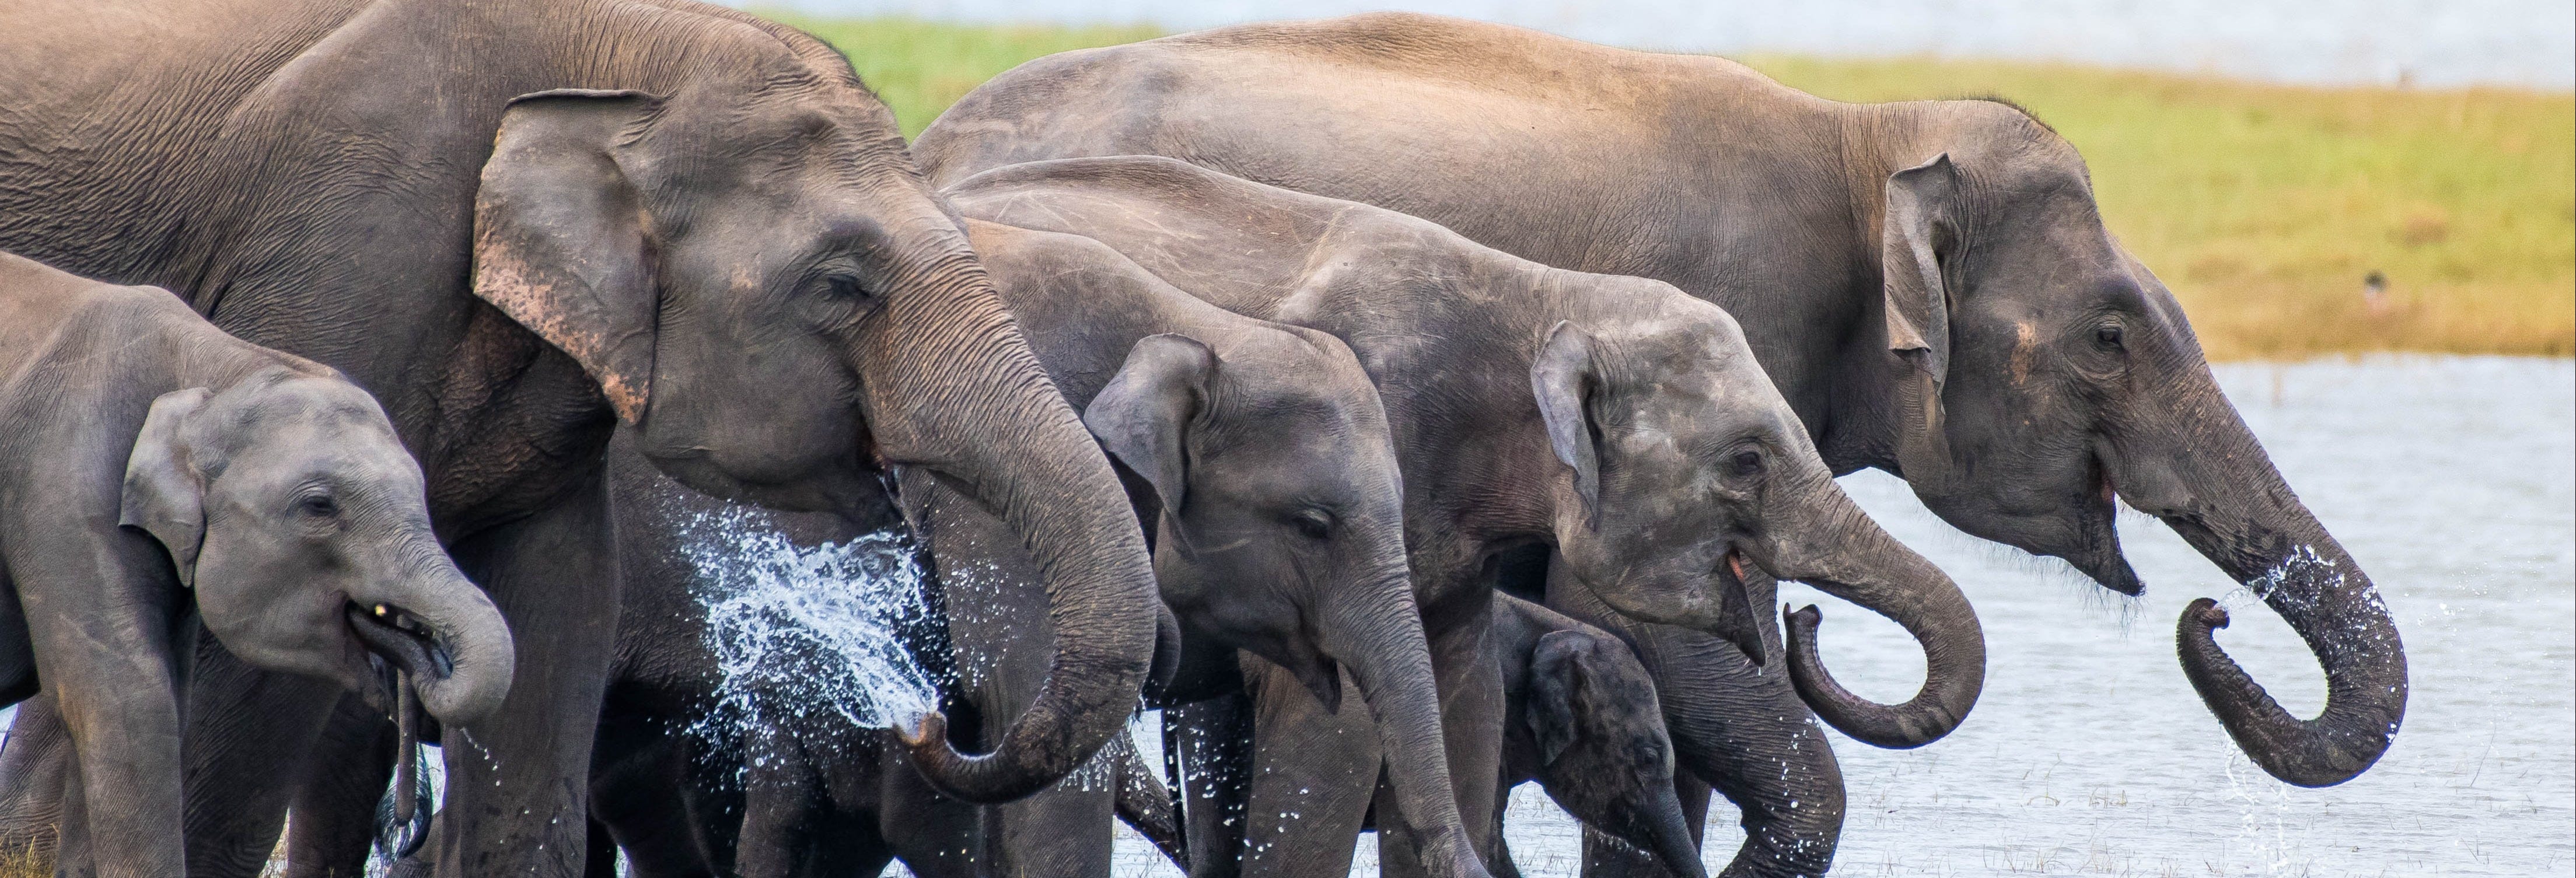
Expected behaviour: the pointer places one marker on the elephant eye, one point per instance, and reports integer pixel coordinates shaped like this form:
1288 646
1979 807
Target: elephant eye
2108 336
845 287
1747 462
318 506
1312 524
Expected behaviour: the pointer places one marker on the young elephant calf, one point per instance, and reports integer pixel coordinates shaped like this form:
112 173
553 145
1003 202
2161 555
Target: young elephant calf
1581 718
153 468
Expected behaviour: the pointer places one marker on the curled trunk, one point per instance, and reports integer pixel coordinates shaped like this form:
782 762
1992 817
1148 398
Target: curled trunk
963 397
1846 555
2225 498
439 631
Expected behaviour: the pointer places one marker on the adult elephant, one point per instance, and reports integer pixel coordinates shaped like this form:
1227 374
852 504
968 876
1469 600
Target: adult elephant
518 224
1608 419
1929 283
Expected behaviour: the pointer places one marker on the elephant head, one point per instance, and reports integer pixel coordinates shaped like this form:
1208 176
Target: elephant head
1685 473
291 509
2047 373
1281 529
769 294
1603 752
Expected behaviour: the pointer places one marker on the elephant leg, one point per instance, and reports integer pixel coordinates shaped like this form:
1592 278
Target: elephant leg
1213 740
1471 720
332 823
517 786
251 735
1742 729
934 835
642 799
35 764
601 861
1145 805
1064 830
1314 773
1501 865
782 801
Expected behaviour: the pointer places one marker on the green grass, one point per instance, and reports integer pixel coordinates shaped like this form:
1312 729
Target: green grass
2263 206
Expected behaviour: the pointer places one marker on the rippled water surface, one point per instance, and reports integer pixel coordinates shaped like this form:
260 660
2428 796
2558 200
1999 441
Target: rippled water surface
2451 480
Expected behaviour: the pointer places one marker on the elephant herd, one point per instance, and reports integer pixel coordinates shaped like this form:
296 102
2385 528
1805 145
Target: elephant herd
1409 408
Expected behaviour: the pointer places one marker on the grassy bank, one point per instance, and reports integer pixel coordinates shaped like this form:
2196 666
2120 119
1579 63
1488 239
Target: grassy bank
2265 207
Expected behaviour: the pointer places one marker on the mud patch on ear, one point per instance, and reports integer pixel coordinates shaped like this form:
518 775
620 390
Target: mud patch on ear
559 236
165 487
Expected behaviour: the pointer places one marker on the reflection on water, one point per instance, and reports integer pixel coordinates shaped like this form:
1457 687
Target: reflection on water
2451 480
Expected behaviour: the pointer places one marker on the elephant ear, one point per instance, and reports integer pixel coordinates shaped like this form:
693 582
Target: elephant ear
1555 681
165 487
1563 378
559 241
1142 418
1917 231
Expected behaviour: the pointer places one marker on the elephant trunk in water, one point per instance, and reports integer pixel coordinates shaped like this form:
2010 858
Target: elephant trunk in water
1839 550
2222 494
962 397
1375 632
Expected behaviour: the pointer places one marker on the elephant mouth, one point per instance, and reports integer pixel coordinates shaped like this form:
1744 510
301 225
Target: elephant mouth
2102 559
1738 606
402 639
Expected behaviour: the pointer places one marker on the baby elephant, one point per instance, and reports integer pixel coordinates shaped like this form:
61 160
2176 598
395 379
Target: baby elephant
151 468
1581 719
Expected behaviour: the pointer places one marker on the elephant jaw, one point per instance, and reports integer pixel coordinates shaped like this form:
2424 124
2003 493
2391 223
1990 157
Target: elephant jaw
419 660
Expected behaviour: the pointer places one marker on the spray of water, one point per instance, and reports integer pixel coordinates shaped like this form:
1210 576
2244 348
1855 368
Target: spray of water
808 635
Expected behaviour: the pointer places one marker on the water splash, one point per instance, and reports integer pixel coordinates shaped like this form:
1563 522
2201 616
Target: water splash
801 634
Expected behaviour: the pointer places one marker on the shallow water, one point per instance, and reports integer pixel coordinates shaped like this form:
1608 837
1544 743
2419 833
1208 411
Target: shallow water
2451 480
2430 42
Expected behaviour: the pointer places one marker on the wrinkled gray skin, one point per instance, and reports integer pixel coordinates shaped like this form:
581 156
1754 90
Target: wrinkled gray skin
1610 418
1260 454
1583 722
517 224
159 472
1929 283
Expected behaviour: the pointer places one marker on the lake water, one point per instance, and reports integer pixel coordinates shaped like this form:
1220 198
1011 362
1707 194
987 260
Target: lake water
2430 42
2452 480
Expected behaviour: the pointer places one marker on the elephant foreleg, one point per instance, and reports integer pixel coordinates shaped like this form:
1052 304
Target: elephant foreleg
1214 741
1313 774
35 764
517 788
332 823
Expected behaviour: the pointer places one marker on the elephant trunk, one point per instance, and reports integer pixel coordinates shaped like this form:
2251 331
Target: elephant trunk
1376 633
963 397
1845 554
2226 499
1675 845
445 636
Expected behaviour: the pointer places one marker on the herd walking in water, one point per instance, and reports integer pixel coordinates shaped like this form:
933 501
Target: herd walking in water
1407 408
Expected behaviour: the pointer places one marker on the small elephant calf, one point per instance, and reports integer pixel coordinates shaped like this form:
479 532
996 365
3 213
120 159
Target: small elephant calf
1582 719
153 468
